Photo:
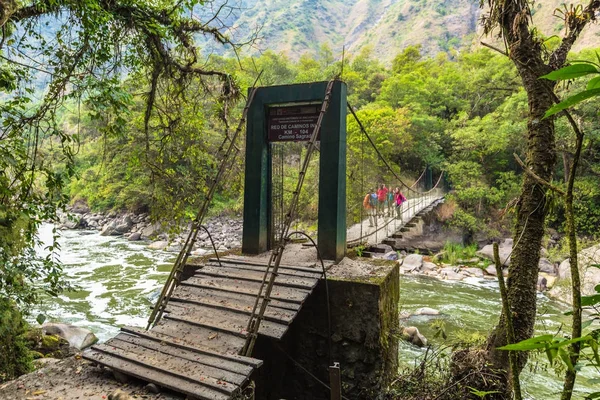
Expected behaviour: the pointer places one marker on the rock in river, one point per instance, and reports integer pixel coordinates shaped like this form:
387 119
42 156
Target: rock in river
427 311
412 262
80 338
412 335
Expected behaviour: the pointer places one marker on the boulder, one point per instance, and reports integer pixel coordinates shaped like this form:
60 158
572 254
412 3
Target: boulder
150 231
589 259
390 255
412 335
428 266
451 274
121 229
71 223
80 207
474 271
542 283
134 236
412 262
109 229
77 337
491 270
504 250
546 266
564 269
158 245
426 311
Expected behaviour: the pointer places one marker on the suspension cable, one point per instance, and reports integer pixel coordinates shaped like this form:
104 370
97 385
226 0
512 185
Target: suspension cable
364 131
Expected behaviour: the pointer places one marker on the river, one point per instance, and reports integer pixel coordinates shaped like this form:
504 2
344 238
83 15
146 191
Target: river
118 281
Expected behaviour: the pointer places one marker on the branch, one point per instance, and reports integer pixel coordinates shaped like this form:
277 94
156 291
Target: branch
38 9
575 26
537 177
503 52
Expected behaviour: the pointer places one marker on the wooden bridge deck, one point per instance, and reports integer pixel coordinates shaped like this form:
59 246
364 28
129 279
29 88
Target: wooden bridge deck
195 348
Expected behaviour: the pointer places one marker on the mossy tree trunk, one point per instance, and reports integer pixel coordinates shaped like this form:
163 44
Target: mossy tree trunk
514 19
531 208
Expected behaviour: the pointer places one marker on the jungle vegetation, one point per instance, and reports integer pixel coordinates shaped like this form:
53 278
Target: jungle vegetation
125 113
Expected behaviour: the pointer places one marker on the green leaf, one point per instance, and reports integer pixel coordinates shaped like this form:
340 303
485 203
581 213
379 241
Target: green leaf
594 345
571 101
571 71
587 323
565 357
537 342
593 83
40 318
551 354
590 300
562 343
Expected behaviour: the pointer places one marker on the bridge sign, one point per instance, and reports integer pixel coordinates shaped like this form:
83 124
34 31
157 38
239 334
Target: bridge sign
292 123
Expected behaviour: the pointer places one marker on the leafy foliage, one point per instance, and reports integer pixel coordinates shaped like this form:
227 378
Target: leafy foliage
15 357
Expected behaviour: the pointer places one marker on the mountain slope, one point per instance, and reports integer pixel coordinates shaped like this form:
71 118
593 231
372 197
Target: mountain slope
294 27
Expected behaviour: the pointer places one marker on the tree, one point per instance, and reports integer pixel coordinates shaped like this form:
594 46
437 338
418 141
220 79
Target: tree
59 52
526 49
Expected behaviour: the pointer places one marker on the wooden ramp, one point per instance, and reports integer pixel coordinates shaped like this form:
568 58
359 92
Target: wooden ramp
195 348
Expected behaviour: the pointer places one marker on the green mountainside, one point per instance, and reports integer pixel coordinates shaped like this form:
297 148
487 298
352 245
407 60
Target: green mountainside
295 27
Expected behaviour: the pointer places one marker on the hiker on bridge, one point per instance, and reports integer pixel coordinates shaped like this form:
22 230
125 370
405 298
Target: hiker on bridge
398 200
381 200
370 205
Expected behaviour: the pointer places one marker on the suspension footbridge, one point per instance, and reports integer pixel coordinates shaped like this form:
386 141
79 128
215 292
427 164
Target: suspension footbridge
202 332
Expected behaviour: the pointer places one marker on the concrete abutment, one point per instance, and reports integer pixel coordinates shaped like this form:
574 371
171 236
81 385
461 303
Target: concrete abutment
364 338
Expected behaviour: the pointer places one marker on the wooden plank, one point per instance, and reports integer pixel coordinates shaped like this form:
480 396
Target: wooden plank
256 276
197 336
149 374
201 373
225 321
236 305
238 286
192 291
206 359
282 271
182 344
233 260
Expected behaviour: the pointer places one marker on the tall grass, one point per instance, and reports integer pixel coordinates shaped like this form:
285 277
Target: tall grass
455 252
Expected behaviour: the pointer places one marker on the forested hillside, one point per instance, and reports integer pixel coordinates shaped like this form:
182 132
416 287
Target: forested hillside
465 116
295 27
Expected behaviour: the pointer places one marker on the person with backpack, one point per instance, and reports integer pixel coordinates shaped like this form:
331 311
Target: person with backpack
399 199
381 200
370 206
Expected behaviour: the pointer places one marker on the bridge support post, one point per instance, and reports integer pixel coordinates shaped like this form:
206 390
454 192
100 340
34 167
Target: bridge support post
332 178
332 174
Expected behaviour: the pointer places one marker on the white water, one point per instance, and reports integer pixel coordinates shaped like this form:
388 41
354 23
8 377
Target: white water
117 281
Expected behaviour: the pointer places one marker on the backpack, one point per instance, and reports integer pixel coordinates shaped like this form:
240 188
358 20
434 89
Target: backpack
373 200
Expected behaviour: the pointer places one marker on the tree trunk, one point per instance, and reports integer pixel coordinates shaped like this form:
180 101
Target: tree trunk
531 208
566 165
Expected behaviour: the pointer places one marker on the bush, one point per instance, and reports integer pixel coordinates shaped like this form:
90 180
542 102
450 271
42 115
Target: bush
15 357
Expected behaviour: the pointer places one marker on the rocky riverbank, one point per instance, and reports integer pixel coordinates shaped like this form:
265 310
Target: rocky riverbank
226 232
554 278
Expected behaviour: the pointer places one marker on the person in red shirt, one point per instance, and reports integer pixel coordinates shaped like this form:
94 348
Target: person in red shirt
381 199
